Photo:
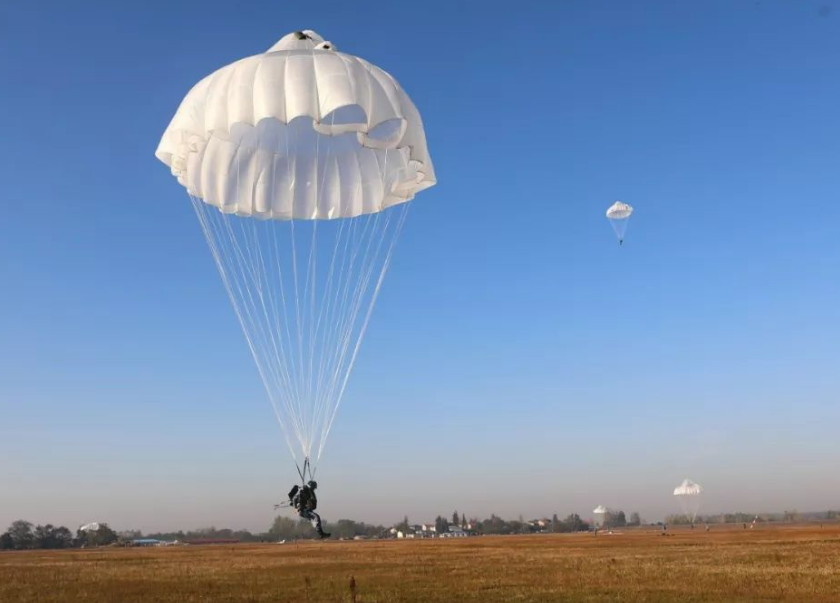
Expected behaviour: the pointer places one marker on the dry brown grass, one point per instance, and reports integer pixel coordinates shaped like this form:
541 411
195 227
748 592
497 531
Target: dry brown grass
767 564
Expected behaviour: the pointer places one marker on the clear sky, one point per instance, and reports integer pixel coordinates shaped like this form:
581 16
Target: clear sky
518 360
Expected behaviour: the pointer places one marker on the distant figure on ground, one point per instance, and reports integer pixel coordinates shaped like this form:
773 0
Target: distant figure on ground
305 502
707 527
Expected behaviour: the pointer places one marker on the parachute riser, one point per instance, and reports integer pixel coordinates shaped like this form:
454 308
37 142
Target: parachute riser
304 471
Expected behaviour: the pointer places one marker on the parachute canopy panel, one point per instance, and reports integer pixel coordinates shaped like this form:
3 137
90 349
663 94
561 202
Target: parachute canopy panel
299 132
619 211
688 488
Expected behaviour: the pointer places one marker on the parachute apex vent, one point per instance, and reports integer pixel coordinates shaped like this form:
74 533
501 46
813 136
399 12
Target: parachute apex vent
298 40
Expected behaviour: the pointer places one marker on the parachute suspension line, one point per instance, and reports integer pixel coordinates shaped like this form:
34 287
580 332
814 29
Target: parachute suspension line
312 264
314 324
327 309
351 298
305 335
252 273
255 327
403 208
343 367
619 226
281 372
235 294
303 471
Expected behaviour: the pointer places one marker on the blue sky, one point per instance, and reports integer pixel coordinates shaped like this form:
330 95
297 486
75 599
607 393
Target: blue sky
515 347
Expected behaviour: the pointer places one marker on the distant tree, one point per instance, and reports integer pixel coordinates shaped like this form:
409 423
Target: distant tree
105 535
456 521
21 534
441 525
555 524
63 538
403 525
678 520
492 525
50 537
101 537
635 519
348 529
6 542
574 523
791 515
517 526
285 528
42 537
344 528
614 519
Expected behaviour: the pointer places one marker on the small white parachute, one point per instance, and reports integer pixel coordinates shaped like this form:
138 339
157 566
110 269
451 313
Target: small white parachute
689 494
90 527
619 215
599 514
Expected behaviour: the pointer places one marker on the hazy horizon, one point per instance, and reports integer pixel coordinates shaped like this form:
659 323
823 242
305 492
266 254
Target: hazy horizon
518 361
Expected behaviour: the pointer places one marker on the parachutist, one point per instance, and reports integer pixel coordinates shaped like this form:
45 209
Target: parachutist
618 214
305 502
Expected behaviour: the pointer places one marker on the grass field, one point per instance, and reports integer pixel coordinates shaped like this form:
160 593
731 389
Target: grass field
791 563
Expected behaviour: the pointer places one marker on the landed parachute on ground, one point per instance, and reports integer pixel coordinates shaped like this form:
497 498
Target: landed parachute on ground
689 494
300 164
619 215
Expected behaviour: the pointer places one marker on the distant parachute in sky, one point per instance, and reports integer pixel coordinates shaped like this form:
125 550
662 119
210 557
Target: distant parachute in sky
689 494
619 215
90 527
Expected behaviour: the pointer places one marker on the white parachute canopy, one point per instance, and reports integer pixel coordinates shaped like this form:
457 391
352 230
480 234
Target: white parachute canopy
689 494
619 215
599 514
90 527
300 163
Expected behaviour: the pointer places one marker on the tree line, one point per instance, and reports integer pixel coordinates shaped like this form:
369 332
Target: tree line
786 516
496 525
22 535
